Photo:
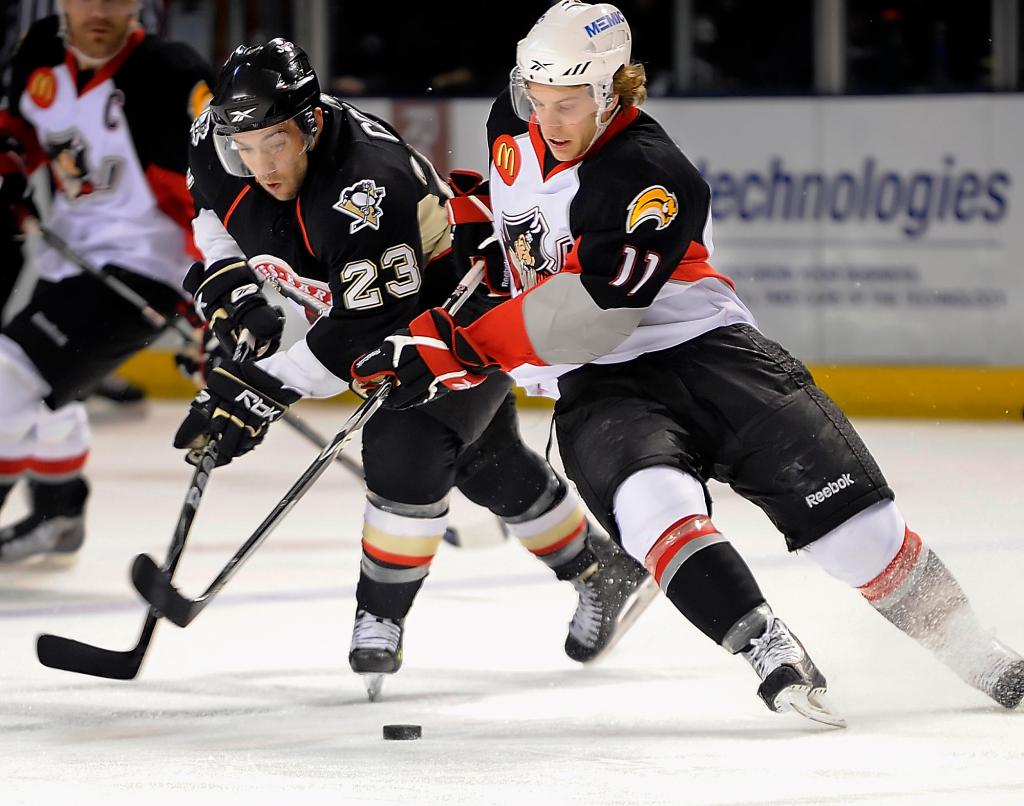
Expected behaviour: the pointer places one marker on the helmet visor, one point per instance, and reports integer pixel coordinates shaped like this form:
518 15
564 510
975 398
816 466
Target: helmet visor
552 104
262 152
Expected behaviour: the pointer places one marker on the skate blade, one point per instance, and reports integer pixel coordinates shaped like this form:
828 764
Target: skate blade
638 602
374 683
811 704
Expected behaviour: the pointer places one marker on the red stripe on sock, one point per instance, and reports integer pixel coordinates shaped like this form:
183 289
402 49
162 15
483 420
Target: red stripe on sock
396 559
565 541
896 571
673 539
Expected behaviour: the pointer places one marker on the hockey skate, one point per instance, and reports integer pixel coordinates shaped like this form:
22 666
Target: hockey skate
55 528
613 592
789 678
376 649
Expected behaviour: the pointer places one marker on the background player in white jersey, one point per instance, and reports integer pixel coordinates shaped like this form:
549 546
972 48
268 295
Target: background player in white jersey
108 109
334 205
664 379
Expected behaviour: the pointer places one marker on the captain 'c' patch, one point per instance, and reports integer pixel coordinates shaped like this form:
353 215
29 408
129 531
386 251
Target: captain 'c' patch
654 203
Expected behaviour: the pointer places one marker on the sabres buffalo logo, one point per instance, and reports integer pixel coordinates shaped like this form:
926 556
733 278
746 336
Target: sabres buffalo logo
72 169
524 243
654 203
362 202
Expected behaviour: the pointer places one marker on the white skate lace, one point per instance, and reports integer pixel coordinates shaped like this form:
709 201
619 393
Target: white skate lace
774 648
373 632
586 621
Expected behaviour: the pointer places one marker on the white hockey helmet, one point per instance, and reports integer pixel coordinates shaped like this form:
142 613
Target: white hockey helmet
573 44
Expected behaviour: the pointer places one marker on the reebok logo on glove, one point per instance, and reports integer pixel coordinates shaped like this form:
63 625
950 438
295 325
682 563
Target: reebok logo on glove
244 291
257 405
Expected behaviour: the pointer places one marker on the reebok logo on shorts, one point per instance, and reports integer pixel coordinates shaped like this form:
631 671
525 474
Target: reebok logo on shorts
830 489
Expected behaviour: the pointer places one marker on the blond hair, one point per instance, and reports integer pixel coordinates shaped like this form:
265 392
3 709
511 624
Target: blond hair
630 84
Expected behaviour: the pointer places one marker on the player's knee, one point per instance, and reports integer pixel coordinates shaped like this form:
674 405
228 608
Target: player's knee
650 501
859 549
21 398
63 432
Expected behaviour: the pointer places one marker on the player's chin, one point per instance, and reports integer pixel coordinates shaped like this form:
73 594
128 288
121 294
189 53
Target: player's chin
278 190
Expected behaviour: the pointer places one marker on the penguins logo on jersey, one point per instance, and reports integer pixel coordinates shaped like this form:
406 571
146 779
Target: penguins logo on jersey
654 203
362 201
72 171
524 243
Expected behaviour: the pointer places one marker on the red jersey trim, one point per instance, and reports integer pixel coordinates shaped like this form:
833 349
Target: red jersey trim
621 121
234 204
500 335
172 197
694 266
302 225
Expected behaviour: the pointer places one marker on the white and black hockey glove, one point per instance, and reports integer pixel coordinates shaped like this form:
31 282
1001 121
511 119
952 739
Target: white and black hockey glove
228 297
237 406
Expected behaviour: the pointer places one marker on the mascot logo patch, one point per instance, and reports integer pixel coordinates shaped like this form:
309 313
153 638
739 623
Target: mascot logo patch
362 201
524 236
655 204
74 172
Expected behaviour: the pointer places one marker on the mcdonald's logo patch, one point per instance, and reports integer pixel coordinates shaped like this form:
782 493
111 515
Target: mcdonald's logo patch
42 87
654 203
506 158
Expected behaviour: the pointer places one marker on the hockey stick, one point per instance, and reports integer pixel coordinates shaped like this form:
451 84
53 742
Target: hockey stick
154 583
159 322
70 655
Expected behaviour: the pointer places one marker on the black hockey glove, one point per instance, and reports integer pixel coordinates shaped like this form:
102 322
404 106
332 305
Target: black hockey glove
469 213
227 295
238 404
425 361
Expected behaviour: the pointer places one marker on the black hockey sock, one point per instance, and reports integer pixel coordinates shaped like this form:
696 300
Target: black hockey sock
386 599
5 489
64 498
714 589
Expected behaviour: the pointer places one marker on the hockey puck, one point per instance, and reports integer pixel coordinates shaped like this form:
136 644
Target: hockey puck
402 732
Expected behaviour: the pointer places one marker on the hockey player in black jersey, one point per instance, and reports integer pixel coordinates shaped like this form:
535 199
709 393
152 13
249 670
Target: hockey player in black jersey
662 378
108 109
339 210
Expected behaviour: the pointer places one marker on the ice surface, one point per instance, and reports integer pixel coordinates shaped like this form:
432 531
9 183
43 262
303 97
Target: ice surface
254 702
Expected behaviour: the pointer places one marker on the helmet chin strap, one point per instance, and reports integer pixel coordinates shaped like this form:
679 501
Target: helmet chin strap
601 127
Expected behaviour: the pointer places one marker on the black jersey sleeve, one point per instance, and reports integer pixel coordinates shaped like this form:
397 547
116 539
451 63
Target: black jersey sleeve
635 228
166 87
41 47
365 229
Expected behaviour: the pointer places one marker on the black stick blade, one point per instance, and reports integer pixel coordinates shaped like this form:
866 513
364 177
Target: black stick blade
154 585
69 655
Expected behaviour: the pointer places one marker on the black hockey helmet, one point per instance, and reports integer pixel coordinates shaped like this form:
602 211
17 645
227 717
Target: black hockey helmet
262 86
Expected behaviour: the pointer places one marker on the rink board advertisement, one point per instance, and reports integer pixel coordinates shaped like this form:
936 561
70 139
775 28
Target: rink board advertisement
878 231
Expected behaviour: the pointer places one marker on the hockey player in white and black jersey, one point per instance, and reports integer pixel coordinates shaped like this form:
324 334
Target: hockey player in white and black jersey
108 109
662 378
338 209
